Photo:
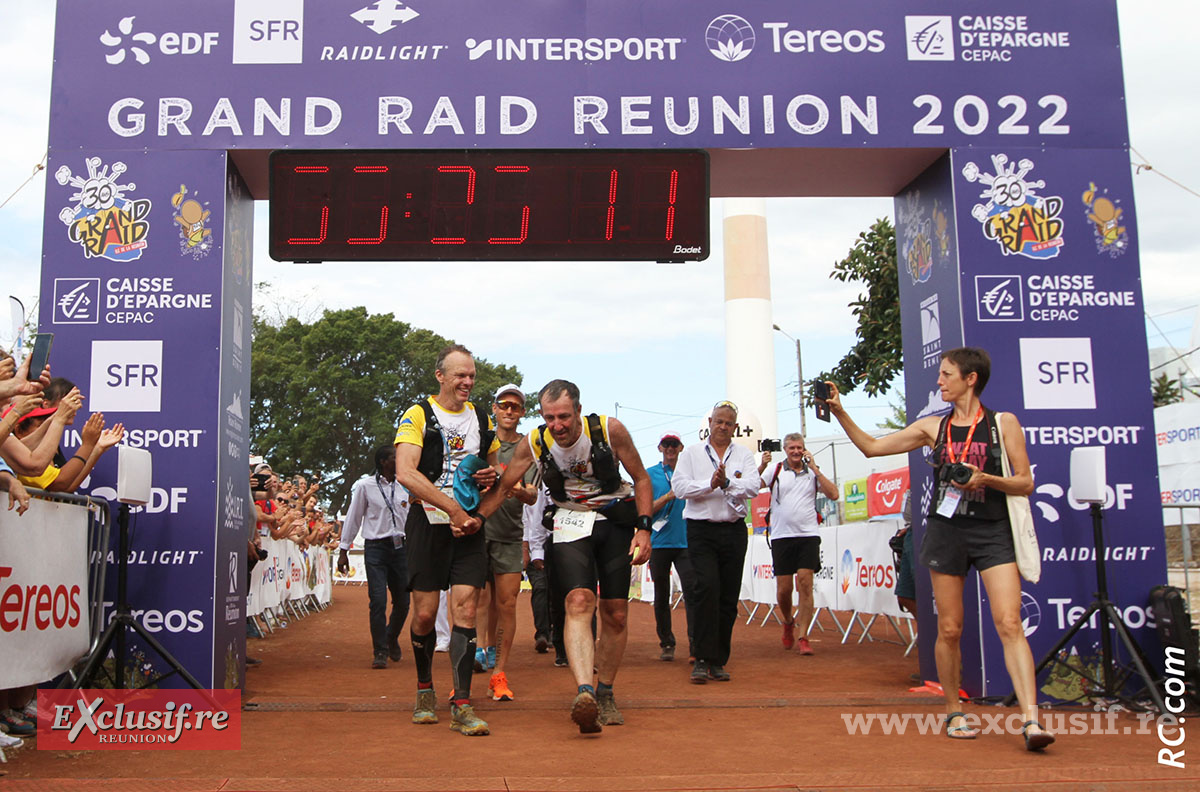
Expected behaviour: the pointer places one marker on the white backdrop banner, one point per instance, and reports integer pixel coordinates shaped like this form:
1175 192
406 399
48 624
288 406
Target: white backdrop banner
44 624
289 573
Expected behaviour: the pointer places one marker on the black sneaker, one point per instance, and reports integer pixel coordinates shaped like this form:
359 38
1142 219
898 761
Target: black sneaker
541 644
380 660
394 652
561 662
717 673
668 654
253 661
700 672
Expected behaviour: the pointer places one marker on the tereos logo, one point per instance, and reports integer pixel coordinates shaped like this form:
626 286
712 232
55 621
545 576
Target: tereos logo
730 37
847 570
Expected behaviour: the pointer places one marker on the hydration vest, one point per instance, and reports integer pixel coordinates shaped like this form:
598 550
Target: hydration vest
433 453
603 460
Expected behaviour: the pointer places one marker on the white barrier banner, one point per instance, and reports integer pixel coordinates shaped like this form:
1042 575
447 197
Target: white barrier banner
357 572
866 570
44 623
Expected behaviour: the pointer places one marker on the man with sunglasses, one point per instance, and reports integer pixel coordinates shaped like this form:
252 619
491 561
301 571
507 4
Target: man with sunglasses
716 478
668 546
504 532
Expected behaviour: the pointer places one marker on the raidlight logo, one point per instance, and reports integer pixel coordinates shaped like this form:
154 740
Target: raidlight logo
1057 374
1031 614
139 44
126 376
730 38
384 15
929 38
999 298
268 31
931 332
76 301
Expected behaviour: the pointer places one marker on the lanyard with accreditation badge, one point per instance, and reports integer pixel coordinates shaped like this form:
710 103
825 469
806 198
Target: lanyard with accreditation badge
953 495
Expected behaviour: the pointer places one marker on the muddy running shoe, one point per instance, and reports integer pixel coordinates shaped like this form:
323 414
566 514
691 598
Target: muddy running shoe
609 714
585 711
789 635
498 687
464 721
425 710
804 647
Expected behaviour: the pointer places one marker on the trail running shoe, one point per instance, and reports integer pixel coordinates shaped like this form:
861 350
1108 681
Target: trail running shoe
464 721
498 687
789 635
700 673
425 710
480 660
718 673
585 711
804 647
609 714
668 654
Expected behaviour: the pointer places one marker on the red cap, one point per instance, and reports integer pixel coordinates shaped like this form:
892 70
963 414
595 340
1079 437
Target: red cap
35 413
670 436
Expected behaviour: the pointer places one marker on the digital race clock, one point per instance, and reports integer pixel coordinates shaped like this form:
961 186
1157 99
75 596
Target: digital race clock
418 205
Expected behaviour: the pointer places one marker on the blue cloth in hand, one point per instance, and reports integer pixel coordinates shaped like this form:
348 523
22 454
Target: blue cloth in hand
466 491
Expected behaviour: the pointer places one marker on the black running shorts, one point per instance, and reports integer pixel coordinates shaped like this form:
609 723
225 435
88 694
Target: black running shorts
600 558
438 560
953 547
793 553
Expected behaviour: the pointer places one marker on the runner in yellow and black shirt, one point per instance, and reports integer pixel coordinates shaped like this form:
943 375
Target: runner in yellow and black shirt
445 546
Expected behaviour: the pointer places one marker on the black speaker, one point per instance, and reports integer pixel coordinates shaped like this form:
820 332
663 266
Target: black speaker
1170 608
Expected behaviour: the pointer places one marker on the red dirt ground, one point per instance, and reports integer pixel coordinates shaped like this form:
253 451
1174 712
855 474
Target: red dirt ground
325 721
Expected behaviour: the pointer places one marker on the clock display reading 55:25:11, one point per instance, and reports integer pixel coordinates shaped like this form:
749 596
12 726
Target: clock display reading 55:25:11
530 205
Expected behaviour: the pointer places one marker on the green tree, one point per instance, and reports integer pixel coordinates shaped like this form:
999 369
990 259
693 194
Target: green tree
1166 390
877 357
897 420
326 393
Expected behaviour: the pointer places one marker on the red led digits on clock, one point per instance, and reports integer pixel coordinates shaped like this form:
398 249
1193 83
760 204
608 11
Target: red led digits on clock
324 228
671 194
524 211
383 211
467 169
612 204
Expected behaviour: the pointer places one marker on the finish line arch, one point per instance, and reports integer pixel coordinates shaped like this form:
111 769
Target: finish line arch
1002 136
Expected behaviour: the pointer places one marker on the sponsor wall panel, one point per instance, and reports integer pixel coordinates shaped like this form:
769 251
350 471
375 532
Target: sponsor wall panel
701 73
131 278
854 500
1052 291
931 317
885 492
235 510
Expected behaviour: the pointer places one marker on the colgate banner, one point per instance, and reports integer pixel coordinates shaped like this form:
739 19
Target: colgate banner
885 492
43 592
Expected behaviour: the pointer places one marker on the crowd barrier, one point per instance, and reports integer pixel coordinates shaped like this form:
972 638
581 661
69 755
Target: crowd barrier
51 583
857 575
289 580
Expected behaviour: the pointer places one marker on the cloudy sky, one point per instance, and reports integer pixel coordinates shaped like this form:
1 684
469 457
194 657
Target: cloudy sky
649 338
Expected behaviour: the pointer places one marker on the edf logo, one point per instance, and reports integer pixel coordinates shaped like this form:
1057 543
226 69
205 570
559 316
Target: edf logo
1057 374
126 376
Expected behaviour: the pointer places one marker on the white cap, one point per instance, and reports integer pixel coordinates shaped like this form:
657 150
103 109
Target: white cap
510 388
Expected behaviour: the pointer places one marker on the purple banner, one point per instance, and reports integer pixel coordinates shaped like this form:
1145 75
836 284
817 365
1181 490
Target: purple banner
1053 293
269 74
131 286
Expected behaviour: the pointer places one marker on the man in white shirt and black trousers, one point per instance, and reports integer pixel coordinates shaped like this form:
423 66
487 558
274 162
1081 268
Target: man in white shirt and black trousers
792 530
379 506
716 478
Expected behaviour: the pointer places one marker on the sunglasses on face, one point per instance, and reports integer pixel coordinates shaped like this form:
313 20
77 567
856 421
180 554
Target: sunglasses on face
671 444
510 406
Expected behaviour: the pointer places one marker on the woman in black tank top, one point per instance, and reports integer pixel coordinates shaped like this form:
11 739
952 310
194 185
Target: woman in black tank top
968 525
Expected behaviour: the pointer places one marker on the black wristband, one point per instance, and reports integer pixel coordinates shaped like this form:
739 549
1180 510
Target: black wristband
80 458
643 523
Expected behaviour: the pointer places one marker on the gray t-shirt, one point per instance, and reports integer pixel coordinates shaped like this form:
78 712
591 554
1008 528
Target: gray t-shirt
505 525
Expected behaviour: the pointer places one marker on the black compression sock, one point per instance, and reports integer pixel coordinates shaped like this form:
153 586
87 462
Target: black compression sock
423 646
462 660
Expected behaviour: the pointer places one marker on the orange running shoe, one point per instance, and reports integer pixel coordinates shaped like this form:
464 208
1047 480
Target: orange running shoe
498 687
789 634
